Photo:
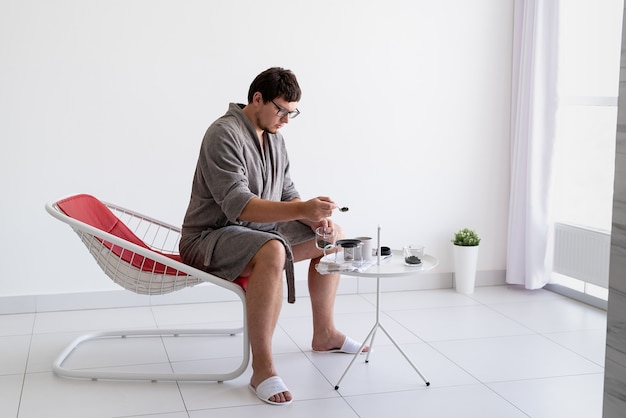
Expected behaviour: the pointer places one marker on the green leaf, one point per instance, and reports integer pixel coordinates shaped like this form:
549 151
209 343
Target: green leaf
466 238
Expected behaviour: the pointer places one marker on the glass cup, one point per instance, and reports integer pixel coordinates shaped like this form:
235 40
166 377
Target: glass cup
413 255
365 253
325 238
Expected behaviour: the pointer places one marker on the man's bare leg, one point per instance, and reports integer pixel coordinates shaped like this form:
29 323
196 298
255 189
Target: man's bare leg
323 292
264 298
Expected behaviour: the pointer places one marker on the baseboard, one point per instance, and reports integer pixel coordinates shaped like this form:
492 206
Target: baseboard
210 293
576 295
490 278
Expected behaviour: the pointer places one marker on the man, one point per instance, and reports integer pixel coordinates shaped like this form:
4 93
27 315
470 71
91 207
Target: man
246 218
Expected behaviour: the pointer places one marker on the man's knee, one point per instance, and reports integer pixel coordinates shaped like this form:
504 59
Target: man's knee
272 253
339 230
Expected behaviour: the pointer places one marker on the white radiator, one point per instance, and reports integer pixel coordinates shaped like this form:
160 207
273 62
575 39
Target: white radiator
582 253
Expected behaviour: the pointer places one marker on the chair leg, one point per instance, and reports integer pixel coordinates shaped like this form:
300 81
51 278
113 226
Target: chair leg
60 370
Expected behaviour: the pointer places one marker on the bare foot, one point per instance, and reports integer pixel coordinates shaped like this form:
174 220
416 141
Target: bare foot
334 342
281 397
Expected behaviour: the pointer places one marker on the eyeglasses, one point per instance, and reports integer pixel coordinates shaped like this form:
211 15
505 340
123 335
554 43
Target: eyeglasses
281 113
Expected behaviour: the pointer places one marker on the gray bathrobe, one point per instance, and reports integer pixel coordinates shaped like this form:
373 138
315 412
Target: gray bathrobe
231 170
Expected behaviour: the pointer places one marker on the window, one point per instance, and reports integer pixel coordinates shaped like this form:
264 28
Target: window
590 33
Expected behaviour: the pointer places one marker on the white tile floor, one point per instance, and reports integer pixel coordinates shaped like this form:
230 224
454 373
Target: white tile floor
501 352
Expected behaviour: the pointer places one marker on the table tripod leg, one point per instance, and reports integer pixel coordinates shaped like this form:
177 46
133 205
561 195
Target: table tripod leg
367 359
372 332
404 354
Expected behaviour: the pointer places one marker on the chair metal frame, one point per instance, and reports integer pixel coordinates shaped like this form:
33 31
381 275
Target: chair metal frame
153 269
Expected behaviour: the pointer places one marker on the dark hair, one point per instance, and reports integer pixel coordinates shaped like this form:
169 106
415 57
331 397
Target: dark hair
276 82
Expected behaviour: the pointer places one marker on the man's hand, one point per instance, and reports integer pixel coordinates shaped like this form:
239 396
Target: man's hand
319 209
313 211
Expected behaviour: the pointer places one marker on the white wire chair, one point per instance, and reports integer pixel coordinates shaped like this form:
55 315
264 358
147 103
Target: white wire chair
140 254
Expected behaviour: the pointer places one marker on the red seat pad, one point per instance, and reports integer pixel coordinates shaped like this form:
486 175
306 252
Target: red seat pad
242 281
90 210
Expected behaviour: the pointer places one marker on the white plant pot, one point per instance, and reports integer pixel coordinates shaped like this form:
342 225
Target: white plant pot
465 262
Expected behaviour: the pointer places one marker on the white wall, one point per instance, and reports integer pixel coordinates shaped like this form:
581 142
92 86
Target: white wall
410 100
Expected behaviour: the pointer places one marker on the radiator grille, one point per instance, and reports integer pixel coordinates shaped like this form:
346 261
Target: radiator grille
582 253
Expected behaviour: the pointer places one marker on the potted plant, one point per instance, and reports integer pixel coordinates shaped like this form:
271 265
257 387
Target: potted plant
466 243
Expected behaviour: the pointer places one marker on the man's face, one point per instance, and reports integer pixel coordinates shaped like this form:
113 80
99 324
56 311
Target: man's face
274 114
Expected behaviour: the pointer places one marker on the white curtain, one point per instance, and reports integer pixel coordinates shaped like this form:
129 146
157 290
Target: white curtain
533 120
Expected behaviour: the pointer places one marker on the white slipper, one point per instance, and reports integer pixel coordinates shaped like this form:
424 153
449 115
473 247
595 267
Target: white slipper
268 388
349 346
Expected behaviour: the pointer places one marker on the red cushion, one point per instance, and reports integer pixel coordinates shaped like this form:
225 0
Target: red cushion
243 282
89 210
